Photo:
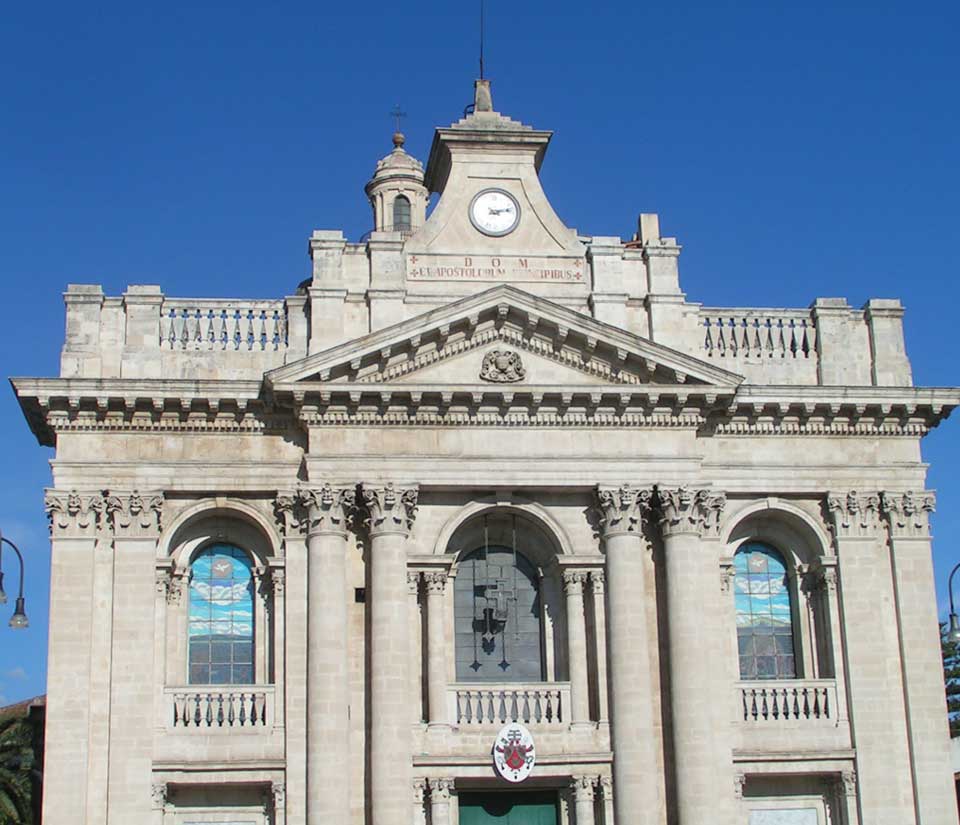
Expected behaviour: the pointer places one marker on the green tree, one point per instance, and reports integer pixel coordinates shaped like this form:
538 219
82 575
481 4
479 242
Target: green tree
951 678
16 764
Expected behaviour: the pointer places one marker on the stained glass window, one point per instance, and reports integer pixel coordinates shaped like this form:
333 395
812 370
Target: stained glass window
764 615
221 617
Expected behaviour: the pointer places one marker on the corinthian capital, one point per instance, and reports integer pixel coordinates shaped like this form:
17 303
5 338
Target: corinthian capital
683 510
908 514
328 508
388 509
75 515
622 509
134 515
854 514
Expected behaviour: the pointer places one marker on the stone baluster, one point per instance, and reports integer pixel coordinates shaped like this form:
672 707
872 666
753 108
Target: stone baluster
636 773
573 582
390 515
436 648
328 698
440 801
597 582
702 753
583 799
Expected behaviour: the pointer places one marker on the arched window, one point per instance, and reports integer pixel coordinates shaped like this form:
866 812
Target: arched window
497 614
764 613
401 213
221 617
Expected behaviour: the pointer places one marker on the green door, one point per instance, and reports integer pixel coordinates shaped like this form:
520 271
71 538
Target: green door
509 808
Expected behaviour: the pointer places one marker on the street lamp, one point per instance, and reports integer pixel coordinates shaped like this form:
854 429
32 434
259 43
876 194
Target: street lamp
19 618
954 631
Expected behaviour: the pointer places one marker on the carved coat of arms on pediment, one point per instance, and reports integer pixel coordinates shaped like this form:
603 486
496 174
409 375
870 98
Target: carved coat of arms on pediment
502 366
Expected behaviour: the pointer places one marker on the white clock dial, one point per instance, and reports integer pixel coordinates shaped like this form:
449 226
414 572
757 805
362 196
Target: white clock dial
494 212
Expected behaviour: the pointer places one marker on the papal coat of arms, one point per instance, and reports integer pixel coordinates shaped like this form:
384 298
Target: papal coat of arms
513 752
502 366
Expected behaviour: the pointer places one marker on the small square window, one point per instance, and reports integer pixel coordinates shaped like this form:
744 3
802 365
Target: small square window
220 652
199 674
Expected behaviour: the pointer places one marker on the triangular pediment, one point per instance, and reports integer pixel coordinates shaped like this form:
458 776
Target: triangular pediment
524 340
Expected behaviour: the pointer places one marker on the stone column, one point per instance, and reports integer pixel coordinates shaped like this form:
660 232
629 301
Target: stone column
278 619
436 647
278 803
874 677
390 515
600 627
907 517
419 794
440 801
636 772
573 581
699 687
328 695
583 799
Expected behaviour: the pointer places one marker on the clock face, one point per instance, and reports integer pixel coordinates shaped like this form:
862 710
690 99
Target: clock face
494 212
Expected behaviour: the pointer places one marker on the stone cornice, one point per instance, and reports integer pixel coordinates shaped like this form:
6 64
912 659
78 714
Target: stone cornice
908 513
686 510
389 509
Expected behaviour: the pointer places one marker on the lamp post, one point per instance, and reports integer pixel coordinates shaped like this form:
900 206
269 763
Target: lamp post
19 618
954 632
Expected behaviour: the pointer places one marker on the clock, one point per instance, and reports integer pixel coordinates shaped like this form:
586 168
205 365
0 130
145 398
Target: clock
494 212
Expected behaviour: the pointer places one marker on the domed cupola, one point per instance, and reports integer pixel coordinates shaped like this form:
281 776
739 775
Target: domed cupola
396 191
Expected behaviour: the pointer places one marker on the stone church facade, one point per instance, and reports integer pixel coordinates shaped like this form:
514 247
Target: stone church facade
312 553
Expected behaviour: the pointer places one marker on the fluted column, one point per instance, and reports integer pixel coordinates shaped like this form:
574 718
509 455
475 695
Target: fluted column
583 799
573 581
328 699
440 801
436 648
390 514
636 779
702 754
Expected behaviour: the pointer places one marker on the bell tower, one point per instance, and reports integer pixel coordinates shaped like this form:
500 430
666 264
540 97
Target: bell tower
396 191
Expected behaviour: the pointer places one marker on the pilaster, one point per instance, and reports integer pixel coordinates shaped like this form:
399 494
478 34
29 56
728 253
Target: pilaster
583 799
874 667
436 583
573 585
908 521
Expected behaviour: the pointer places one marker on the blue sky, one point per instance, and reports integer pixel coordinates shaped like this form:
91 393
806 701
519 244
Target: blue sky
796 151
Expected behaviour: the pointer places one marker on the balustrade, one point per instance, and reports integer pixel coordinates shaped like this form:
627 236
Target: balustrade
531 704
237 707
745 334
244 326
788 701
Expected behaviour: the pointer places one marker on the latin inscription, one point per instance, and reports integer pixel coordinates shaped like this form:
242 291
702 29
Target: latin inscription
490 268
